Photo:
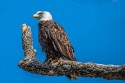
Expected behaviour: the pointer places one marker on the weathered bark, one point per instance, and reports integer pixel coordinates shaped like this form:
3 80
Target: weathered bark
65 67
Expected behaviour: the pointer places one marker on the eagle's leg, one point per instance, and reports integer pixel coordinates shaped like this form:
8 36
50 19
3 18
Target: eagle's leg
51 59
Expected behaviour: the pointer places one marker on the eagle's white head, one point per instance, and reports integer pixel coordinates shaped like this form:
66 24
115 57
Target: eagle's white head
43 16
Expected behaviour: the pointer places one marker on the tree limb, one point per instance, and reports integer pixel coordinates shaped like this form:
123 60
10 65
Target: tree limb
65 67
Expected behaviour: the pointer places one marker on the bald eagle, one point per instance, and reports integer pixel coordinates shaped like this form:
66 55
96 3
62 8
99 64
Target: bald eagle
53 39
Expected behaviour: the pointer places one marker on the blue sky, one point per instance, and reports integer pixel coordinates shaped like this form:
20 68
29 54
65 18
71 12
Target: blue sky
96 29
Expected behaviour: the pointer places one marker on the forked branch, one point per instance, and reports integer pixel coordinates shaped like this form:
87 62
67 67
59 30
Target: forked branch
65 67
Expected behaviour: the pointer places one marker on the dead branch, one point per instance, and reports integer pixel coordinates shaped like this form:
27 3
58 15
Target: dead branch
65 67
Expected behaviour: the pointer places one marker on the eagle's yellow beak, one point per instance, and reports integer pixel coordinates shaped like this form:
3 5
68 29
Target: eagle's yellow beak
35 16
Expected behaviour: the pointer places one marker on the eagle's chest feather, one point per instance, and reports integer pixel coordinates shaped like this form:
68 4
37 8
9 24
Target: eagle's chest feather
44 38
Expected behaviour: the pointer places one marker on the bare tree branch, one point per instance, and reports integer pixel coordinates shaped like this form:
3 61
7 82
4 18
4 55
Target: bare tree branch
65 67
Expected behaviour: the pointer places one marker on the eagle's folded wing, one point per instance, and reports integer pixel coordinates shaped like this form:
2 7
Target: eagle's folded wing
61 42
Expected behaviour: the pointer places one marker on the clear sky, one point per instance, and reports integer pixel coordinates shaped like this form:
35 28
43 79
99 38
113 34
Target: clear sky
96 29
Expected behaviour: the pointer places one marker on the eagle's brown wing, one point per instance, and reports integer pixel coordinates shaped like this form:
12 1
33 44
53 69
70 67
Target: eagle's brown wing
61 42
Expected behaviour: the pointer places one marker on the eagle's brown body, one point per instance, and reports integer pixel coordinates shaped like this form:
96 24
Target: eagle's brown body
54 41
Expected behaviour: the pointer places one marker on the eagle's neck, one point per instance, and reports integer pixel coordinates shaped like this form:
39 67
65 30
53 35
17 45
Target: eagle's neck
45 18
47 23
